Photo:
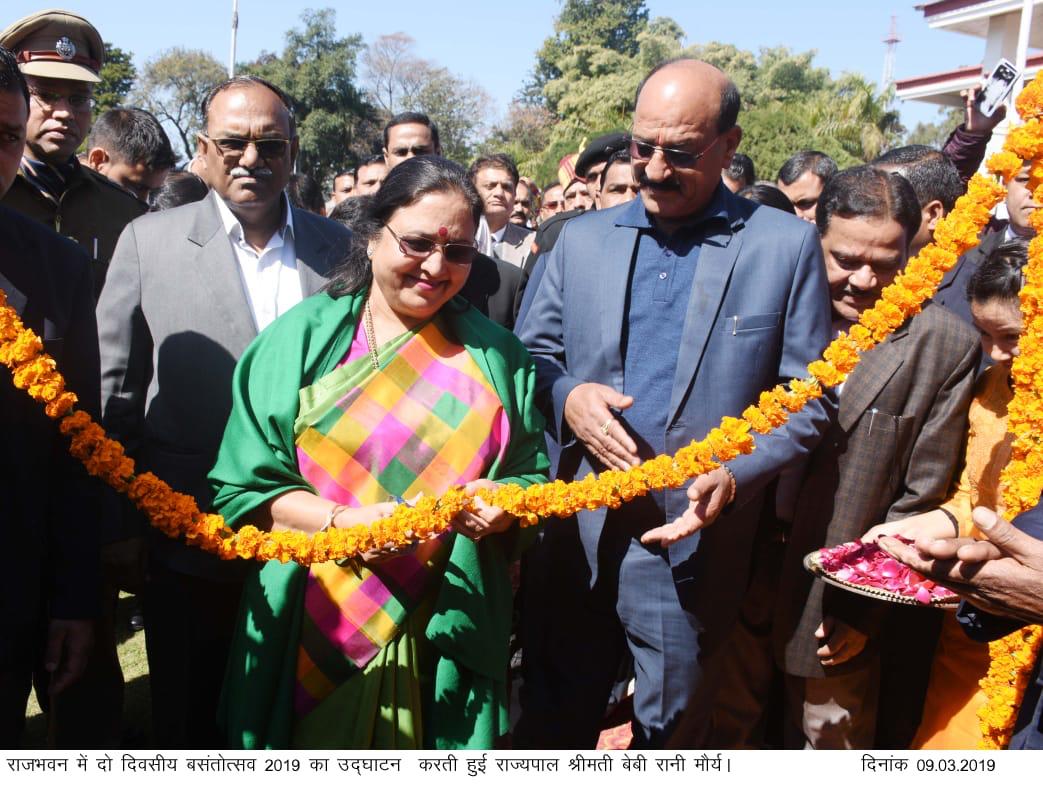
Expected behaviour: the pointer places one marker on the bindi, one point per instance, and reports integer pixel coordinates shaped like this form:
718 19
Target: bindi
443 232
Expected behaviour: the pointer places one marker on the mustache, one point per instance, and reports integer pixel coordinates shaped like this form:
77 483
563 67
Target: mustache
658 186
256 172
855 293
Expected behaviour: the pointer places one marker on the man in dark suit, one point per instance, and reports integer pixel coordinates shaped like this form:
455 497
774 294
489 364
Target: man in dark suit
891 453
48 501
189 289
656 319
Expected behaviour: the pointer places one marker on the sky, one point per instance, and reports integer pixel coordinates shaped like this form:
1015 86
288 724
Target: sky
494 43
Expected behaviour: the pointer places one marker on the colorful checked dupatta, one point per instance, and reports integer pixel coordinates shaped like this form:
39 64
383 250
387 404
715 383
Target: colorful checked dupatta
427 419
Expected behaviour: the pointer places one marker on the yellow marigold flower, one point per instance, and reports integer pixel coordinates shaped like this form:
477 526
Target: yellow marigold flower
1004 163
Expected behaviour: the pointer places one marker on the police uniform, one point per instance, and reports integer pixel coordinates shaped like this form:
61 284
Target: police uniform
72 199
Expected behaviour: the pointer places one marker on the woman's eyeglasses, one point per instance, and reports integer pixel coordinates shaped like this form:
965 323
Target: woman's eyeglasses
677 158
459 253
268 148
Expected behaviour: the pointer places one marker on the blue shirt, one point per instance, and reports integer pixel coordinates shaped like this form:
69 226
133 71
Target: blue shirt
658 294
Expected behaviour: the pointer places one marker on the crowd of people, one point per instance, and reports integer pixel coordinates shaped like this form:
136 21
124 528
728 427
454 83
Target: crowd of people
300 361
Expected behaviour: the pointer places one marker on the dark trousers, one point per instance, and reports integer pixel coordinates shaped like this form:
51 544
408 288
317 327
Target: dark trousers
188 634
16 680
574 637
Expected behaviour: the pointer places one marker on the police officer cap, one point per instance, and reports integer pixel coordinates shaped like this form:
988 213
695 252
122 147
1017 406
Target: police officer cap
56 44
600 149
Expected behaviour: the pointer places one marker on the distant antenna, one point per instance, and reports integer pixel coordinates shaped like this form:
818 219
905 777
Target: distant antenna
891 40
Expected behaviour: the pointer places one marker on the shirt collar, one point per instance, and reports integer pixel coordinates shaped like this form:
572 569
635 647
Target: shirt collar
234 229
497 236
635 215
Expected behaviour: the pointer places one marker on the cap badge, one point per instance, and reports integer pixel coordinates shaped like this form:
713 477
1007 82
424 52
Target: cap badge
66 48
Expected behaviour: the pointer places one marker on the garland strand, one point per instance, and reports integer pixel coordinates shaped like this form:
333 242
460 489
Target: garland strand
1011 659
177 515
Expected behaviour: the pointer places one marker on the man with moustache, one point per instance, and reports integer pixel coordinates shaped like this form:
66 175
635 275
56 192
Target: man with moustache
408 135
61 54
189 289
655 320
496 178
891 453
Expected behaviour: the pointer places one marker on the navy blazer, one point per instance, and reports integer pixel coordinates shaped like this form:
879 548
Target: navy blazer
758 313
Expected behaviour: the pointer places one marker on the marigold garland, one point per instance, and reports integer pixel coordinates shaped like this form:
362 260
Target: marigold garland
1011 659
177 515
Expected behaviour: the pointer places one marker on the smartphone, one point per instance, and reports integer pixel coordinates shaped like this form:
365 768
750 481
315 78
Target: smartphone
998 86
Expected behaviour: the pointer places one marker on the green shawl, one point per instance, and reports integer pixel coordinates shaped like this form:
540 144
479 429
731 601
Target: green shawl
257 461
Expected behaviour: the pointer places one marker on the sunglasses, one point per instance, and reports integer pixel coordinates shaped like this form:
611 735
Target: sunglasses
268 148
459 253
47 100
677 158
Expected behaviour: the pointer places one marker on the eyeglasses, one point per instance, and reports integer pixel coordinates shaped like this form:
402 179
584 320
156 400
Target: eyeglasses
79 102
459 253
269 149
677 158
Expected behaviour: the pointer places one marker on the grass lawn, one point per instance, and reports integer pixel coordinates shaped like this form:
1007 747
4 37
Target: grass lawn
136 716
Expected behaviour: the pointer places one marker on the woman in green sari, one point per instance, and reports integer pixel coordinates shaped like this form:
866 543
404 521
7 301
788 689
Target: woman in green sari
381 389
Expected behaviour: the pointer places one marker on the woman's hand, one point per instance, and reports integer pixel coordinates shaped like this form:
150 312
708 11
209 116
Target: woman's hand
482 519
352 517
932 525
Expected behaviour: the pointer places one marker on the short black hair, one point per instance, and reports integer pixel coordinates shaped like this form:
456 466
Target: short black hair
932 175
133 136
767 194
403 186
369 160
1000 275
495 160
11 78
343 172
741 169
178 189
305 193
866 191
728 112
620 156
808 160
413 118
349 211
246 81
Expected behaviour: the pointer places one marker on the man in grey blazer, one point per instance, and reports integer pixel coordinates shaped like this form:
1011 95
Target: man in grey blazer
656 319
188 290
892 453
496 179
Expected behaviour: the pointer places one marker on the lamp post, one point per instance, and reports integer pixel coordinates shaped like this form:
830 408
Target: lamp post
235 30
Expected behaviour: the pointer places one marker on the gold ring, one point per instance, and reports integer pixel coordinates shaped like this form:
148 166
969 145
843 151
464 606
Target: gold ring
605 425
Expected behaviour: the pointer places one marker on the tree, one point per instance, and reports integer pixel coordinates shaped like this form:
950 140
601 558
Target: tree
117 79
612 25
934 134
317 69
396 80
173 86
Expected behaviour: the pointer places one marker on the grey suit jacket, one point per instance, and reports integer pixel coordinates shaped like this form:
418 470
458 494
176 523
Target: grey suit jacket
892 453
173 320
758 313
514 247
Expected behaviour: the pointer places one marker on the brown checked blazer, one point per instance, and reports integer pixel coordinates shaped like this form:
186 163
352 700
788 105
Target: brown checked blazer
891 453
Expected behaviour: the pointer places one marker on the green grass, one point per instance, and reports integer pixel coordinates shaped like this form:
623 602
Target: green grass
136 713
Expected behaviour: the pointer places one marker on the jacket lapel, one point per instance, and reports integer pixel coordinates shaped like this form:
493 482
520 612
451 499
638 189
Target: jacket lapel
613 275
717 256
218 272
312 249
874 370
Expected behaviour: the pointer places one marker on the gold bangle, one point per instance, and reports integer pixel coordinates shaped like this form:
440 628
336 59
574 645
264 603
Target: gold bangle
335 511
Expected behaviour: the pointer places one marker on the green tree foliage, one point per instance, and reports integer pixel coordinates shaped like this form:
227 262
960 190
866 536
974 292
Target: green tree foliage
396 80
117 79
587 73
612 25
934 134
173 86
317 69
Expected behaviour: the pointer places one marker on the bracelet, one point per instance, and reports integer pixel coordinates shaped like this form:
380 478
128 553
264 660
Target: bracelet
335 511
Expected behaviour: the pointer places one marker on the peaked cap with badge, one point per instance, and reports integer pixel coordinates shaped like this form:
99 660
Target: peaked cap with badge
56 44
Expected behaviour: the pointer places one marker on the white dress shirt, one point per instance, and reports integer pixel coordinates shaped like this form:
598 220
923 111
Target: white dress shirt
270 278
